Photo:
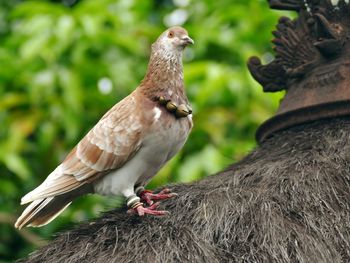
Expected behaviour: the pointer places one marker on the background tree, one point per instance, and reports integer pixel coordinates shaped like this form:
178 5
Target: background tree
64 63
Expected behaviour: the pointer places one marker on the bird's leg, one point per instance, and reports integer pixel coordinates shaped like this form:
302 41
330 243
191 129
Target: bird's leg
133 202
148 196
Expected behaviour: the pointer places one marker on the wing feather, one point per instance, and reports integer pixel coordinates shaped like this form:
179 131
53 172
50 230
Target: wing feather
108 146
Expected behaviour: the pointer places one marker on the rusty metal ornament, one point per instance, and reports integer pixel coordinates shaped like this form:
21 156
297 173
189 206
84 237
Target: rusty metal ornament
162 100
182 111
189 108
311 64
171 106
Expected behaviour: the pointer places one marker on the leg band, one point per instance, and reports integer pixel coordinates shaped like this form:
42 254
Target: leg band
139 189
131 201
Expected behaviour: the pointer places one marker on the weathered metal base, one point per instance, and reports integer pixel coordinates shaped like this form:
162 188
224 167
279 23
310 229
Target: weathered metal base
303 115
312 64
323 93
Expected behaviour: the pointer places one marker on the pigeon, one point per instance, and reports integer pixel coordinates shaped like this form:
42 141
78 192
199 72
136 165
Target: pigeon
128 145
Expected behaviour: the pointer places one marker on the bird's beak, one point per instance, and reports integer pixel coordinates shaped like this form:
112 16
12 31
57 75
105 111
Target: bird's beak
186 40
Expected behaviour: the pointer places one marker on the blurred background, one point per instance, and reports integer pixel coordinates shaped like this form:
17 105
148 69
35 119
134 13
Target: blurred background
63 64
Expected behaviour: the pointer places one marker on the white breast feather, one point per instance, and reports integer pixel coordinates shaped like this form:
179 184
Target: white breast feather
157 113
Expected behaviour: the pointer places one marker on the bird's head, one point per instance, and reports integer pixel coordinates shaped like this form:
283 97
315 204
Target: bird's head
173 41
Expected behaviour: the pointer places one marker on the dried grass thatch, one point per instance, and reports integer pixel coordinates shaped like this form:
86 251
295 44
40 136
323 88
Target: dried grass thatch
287 201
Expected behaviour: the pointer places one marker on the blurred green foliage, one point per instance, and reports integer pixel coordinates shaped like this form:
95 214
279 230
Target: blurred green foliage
64 63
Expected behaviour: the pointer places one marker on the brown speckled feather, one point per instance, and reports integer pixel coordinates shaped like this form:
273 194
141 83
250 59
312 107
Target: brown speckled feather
111 143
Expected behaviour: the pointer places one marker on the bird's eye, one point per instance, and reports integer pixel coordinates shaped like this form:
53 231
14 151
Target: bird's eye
171 34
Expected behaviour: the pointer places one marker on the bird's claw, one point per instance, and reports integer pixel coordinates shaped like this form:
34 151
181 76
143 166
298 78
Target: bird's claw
151 210
148 196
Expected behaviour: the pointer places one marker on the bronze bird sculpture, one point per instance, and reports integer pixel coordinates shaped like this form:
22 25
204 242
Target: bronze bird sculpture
128 145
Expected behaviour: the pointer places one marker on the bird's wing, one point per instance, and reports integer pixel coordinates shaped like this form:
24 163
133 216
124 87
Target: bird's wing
109 145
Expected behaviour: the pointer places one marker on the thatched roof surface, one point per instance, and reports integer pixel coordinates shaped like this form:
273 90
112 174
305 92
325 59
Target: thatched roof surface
287 201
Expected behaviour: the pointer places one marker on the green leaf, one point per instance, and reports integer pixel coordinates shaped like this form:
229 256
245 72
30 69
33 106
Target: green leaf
17 165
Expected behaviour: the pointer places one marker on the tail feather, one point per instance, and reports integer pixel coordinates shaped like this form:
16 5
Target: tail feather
54 185
42 211
44 220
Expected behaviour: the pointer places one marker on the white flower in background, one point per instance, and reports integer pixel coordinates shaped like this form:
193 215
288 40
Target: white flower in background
181 3
335 2
176 18
105 85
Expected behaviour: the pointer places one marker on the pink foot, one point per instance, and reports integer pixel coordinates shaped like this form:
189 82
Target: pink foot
148 196
151 210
